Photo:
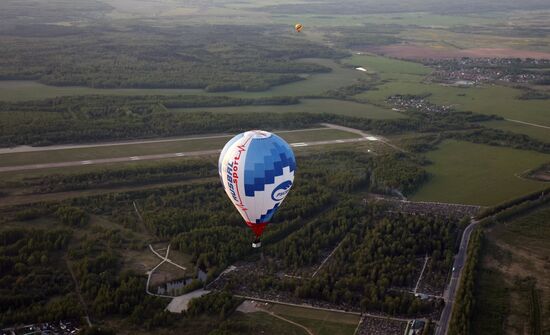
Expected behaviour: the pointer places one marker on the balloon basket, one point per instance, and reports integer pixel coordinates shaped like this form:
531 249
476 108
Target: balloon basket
256 244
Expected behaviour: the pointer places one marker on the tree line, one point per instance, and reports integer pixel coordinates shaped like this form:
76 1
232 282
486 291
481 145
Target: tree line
464 303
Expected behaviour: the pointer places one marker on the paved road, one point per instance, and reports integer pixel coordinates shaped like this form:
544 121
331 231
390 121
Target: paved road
363 134
165 258
150 273
26 148
450 292
528 123
156 157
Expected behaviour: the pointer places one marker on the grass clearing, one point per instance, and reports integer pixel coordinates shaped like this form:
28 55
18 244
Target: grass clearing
319 321
513 292
20 90
475 99
464 40
184 145
535 132
388 68
263 323
325 327
501 101
7 177
478 174
331 106
314 314
405 77
492 303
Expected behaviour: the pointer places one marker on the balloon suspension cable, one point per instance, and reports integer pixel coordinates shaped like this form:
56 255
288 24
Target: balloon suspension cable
258 229
256 243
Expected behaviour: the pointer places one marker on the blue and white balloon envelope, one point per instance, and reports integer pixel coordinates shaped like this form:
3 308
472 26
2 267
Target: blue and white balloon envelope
257 171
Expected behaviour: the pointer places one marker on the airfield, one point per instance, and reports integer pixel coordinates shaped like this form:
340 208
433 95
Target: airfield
144 195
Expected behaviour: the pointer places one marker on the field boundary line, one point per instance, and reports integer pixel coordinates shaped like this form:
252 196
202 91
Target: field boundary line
376 316
327 258
77 288
528 123
289 321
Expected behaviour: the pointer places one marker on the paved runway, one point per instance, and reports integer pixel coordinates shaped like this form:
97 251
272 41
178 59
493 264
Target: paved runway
158 156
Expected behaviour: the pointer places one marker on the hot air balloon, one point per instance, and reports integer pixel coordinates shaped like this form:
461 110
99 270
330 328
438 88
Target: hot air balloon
298 27
257 171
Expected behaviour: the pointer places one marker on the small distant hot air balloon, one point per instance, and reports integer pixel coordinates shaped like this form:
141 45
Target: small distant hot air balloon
257 171
298 27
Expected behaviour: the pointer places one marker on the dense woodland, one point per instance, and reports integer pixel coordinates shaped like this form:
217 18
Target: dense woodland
100 118
378 255
31 274
214 57
117 176
199 221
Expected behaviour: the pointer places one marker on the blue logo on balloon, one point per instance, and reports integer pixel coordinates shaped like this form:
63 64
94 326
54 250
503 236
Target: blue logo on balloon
281 191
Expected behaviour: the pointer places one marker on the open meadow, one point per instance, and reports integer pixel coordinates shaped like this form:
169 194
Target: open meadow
513 290
404 77
321 322
318 322
477 174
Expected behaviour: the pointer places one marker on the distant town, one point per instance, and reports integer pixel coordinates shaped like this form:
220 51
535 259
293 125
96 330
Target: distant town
476 71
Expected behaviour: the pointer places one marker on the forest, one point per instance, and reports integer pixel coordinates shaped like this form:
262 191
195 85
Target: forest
214 57
198 221
101 118
31 273
378 256
120 176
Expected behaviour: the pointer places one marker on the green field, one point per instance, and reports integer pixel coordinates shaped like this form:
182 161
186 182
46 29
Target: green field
19 90
501 101
314 314
332 106
14 176
263 323
320 322
476 99
528 232
313 84
184 145
478 174
407 78
492 299
538 133
514 277
323 327
388 68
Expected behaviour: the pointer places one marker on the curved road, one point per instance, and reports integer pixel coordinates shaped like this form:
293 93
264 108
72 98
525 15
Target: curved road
450 291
